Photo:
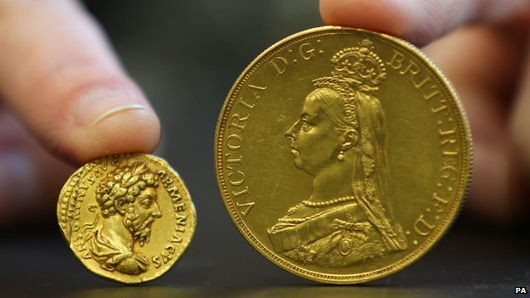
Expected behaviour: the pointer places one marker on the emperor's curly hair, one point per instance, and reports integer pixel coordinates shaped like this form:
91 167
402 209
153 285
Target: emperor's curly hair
123 185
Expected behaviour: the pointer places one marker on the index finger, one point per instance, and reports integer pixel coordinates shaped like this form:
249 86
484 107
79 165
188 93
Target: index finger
64 82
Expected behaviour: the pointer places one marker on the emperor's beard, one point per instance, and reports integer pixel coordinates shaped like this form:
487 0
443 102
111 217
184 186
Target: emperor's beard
141 233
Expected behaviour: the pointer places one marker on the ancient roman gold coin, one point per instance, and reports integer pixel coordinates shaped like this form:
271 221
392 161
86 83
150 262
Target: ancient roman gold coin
127 217
342 155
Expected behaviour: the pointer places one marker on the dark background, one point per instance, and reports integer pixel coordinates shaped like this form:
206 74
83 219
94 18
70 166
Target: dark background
186 55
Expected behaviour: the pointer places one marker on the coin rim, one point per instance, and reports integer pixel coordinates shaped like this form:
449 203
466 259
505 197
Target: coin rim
452 214
193 222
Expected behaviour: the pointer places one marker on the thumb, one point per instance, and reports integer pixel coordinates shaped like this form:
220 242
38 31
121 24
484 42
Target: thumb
420 21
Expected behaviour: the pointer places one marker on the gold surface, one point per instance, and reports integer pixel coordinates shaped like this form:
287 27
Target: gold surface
127 217
342 155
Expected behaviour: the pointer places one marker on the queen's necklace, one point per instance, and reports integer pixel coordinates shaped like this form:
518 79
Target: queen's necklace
328 203
320 204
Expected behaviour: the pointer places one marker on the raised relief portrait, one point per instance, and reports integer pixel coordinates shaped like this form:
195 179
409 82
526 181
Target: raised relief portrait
127 201
339 140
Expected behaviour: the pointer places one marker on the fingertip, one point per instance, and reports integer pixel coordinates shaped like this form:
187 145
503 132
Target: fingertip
380 16
417 21
130 128
66 85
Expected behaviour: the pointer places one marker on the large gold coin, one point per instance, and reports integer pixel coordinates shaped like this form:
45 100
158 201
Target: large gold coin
127 217
342 155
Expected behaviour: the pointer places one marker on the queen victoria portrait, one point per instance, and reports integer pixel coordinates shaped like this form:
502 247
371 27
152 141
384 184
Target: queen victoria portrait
127 208
339 140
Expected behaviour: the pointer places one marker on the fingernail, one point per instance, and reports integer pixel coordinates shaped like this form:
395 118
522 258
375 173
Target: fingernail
18 184
102 103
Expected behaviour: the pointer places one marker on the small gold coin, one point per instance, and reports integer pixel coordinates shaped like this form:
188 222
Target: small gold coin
342 155
127 217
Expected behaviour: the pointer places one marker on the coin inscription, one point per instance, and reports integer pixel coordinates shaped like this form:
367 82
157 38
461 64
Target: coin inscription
112 208
342 155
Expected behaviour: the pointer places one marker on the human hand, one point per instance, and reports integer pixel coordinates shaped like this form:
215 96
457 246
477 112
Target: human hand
480 46
63 82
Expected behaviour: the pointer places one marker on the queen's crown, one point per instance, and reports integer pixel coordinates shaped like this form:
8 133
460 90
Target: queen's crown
360 66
